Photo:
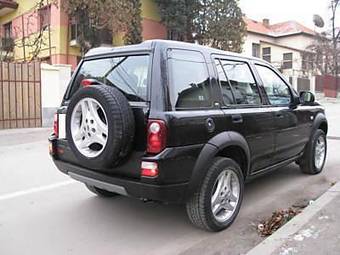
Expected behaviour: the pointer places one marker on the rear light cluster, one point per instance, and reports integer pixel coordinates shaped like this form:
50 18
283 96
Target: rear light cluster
149 169
156 137
55 125
156 142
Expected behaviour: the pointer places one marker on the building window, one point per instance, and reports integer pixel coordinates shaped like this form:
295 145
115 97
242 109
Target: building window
256 50
287 61
74 30
7 42
45 17
266 54
8 30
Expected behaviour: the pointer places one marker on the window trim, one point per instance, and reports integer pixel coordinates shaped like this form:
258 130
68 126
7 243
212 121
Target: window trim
169 86
280 77
226 58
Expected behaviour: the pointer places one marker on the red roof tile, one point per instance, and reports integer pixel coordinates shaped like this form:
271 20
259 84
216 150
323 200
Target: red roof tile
278 29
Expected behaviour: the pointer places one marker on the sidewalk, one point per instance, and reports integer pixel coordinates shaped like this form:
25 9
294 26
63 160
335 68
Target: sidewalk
316 230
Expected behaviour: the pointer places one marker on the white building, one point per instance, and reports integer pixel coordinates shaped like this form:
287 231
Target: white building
284 45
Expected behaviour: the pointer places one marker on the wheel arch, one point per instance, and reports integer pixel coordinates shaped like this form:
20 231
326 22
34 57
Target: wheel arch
320 122
226 144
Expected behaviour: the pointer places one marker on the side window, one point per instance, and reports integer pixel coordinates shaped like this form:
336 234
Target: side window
277 91
242 82
225 87
189 80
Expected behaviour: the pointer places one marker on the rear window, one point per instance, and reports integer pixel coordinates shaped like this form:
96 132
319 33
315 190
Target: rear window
129 74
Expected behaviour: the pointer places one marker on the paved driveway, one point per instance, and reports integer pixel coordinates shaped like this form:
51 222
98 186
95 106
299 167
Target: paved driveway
43 212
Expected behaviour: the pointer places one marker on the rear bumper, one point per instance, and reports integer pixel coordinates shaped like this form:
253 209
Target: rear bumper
169 193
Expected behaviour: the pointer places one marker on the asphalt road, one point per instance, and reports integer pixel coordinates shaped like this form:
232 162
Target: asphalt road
44 212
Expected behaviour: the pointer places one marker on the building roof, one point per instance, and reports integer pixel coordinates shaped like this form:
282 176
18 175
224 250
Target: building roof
277 30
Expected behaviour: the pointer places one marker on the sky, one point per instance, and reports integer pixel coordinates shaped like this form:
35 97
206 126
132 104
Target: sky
283 10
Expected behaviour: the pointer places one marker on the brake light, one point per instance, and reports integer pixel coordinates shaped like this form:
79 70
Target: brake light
156 138
55 125
149 169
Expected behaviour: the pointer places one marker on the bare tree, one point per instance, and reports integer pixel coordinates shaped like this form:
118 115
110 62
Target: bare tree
335 35
326 47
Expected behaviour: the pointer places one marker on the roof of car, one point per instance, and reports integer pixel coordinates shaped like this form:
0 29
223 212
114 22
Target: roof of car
151 44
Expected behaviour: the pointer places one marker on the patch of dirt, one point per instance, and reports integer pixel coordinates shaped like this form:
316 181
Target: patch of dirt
278 219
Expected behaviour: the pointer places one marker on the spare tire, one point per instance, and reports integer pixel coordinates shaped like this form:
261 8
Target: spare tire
100 126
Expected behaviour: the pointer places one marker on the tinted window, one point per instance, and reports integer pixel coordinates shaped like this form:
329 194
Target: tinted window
277 91
242 82
225 87
189 80
129 74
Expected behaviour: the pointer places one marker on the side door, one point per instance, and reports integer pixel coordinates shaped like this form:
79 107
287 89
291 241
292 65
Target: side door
291 125
244 110
194 117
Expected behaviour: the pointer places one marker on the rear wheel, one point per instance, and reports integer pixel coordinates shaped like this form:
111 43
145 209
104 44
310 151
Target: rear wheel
215 205
100 192
314 156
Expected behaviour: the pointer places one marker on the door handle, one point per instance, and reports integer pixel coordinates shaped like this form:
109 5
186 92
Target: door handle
237 118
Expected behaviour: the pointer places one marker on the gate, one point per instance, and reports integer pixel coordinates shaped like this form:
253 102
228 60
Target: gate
20 95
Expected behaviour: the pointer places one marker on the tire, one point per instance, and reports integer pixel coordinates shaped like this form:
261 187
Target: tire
199 206
101 192
308 162
120 125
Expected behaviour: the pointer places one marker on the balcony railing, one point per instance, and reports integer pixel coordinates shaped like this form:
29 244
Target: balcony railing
7 44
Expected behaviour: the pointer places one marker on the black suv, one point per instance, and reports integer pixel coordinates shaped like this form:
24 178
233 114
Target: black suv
181 123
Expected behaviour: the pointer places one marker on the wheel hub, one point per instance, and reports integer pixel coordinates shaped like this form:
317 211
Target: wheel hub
89 127
320 152
225 195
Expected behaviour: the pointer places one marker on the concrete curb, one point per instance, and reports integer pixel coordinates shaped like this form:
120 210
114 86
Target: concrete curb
276 240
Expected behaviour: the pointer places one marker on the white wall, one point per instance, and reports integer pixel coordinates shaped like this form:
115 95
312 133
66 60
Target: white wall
54 81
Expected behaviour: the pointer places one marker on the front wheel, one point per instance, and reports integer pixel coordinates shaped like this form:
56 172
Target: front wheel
216 203
314 156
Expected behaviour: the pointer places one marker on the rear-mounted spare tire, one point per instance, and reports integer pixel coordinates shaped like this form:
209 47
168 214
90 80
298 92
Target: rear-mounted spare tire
100 126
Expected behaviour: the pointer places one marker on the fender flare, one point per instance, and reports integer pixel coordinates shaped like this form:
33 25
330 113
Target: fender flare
319 119
210 150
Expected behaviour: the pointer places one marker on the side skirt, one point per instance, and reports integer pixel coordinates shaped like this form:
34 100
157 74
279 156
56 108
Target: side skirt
272 167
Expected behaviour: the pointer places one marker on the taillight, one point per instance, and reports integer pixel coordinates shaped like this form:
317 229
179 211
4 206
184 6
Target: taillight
55 125
88 82
149 169
156 138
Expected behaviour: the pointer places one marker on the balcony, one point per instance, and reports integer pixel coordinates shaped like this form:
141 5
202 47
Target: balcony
7 6
7 44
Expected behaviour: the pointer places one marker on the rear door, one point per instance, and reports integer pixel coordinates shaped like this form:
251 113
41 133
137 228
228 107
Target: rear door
291 123
244 109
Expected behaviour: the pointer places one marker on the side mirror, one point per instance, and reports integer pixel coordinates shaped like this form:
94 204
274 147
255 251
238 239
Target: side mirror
307 97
